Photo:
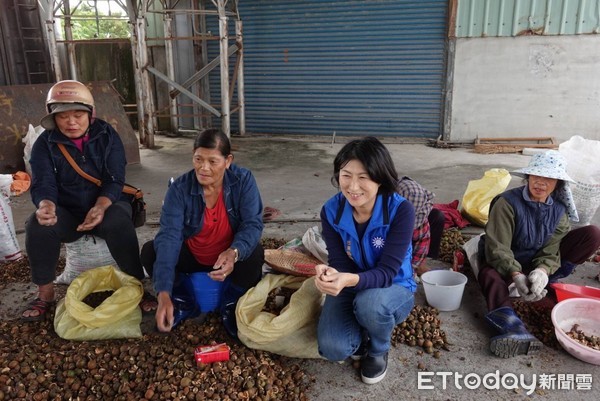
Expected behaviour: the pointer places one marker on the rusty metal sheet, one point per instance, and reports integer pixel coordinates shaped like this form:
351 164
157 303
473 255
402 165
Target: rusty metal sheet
21 105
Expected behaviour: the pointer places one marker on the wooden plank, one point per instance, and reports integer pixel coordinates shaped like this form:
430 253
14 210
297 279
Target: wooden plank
537 140
513 145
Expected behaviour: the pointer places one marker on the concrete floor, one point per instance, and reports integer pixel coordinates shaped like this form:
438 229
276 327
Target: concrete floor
294 176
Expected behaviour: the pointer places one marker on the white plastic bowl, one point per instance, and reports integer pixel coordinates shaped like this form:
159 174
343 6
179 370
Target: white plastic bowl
586 313
444 289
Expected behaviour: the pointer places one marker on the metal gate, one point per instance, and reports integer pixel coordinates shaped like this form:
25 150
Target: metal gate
349 67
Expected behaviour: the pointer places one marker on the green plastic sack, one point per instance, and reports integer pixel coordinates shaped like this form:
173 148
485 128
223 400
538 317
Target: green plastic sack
294 332
117 317
479 194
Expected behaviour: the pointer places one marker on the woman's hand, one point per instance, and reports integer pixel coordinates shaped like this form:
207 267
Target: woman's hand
96 214
331 282
224 265
46 213
522 283
539 280
164 312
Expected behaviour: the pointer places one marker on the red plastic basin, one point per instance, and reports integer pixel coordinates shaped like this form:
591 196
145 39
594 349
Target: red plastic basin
566 291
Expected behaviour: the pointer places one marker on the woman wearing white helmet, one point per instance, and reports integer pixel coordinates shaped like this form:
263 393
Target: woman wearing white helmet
68 205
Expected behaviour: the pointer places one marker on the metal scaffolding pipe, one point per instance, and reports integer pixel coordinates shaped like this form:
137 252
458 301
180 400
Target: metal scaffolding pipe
184 91
204 83
72 60
139 95
239 36
223 33
205 70
148 122
52 46
170 60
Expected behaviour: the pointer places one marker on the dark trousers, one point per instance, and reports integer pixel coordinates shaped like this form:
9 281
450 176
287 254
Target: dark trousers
436 220
246 273
575 248
43 242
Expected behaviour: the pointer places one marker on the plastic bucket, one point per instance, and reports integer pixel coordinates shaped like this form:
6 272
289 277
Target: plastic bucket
566 291
444 288
206 290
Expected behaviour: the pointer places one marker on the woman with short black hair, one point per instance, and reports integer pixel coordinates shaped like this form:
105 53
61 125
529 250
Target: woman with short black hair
368 280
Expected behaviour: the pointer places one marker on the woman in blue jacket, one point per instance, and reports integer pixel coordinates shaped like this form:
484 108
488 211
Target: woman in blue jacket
68 205
211 221
368 281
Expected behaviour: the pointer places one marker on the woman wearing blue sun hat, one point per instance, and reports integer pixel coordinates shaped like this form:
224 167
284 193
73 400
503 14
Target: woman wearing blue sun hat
528 241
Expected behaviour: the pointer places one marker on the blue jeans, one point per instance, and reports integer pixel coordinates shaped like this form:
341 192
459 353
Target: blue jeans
374 312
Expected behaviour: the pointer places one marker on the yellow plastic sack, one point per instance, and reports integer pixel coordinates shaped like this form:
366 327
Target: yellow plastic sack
479 194
294 332
117 317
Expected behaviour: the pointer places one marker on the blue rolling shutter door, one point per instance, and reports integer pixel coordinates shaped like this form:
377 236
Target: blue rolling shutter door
353 67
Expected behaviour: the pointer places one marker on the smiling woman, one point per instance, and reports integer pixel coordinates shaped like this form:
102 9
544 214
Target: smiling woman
368 229
211 222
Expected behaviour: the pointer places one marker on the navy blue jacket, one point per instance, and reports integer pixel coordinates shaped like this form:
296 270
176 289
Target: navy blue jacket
383 255
182 217
54 179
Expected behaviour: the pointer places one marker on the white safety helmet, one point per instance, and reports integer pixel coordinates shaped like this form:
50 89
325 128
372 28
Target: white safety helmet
64 96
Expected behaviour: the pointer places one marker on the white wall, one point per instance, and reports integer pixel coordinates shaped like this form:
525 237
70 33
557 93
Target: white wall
526 86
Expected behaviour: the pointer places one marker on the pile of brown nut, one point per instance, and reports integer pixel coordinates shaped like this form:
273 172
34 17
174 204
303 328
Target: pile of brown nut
578 335
96 298
17 271
452 240
272 243
537 319
422 329
278 299
36 364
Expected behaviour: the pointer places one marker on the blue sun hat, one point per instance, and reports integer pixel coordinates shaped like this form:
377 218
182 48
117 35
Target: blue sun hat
552 164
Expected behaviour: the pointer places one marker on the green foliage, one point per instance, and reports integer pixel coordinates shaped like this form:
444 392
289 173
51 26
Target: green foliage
98 29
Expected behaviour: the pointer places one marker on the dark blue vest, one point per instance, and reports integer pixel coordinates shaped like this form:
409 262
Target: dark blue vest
535 223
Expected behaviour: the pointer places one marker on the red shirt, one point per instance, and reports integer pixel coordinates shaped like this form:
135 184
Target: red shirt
79 142
215 237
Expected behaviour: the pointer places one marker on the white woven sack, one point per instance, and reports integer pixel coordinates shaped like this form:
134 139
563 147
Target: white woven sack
88 252
471 248
583 167
587 201
9 246
29 139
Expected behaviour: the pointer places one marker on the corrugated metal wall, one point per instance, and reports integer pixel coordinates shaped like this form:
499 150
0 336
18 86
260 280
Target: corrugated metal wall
353 67
525 17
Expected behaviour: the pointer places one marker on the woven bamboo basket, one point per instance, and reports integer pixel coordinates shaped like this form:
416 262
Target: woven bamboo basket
290 262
